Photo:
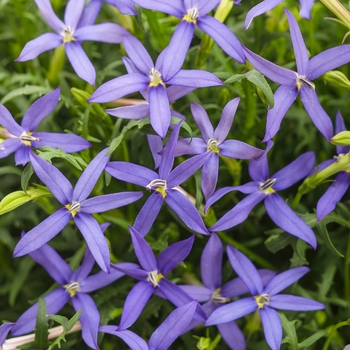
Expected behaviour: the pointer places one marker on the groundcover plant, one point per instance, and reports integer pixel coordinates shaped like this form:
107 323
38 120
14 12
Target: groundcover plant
142 144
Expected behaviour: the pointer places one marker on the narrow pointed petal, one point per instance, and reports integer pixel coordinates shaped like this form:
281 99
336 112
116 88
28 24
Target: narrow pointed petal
90 13
106 202
295 303
175 7
148 213
22 155
159 110
173 255
42 43
186 211
210 174
7 121
42 233
286 219
187 168
80 62
232 311
73 12
130 112
167 160
223 36
226 120
156 146
89 318
328 60
52 262
232 335
135 302
277 74
195 78
125 7
202 120
316 112
239 150
300 50
295 171
272 327
285 279
259 9
143 251
94 238
99 280
89 177
54 303
5 329
175 92
120 87
305 8
176 51
131 339
178 297
85 268
284 96
211 261
199 293
13 145
245 270
205 6
333 195
104 32
190 146
50 17
132 173
172 327
132 270
40 109
138 54
238 213
259 168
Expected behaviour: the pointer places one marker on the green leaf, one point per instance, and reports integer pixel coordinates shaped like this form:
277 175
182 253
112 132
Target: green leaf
279 240
41 327
26 175
313 339
6 170
289 328
322 229
26 90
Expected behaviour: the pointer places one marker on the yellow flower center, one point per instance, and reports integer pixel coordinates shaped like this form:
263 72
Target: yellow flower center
26 138
155 77
301 80
266 187
67 34
73 208
72 288
191 15
262 300
213 145
154 277
158 185
217 298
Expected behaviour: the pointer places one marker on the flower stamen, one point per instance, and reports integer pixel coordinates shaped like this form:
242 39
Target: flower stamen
303 80
155 77
266 187
216 298
191 15
26 138
154 277
73 208
158 185
262 300
67 34
213 145
72 288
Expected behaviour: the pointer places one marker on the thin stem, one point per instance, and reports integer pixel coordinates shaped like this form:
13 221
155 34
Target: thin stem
347 272
330 336
296 200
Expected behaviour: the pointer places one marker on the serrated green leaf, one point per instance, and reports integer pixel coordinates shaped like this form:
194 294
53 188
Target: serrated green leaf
26 90
26 175
279 241
289 328
184 125
322 229
41 327
48 153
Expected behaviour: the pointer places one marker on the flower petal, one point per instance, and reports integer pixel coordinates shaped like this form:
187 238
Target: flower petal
42 43
175 92
85 268
7 121
204 6
42 233
80 62
259 9
295 303
198 293
50 17
124 6
104 32
305 8
90 13
173 255
195 78
13 145
272 327
132 270
284 217
232 335
5 328
130 112
239 150
202 120
73 12
223 36
210 174
175 7
22 155
194 145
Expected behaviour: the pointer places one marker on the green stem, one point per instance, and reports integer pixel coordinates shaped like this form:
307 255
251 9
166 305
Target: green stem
330 336
347 272
252 256
296 200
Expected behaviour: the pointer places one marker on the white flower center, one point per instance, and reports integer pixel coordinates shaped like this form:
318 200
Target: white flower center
26 138
67 34
72 288
73 208
301 80
191 15
213 145
262 300
266 187
154 277
155 77
158 185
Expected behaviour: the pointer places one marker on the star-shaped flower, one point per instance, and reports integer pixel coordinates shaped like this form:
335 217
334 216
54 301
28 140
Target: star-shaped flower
71 35
265 299
76 206
164 184
264 188
301 81
20 138
144 75
214 142
73 286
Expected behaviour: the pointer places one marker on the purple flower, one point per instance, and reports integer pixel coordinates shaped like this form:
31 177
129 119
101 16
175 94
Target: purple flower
161 339
22 137
74 286
165 184
215 294
267 5
144 75
76 206
265 299
71 35
337 189
264 188
214 142
151 275
301 81
193 13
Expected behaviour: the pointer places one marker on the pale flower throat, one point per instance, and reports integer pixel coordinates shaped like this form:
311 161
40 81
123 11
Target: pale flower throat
266 187
191 15
67 34
155 77
301 80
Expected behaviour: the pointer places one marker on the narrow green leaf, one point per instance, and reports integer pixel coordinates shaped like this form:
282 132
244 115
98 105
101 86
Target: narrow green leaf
6 170
48 153
41 327
311 340
322 229
289 328
26 175
26 90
